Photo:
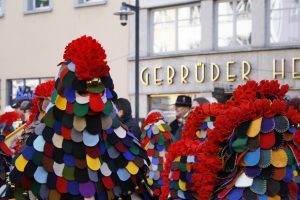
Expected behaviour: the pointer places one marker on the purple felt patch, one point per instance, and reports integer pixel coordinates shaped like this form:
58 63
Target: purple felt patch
252 171
87 189
267 125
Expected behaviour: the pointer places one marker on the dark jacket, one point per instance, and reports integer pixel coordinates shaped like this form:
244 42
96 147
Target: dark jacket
132 125
124 104
176 129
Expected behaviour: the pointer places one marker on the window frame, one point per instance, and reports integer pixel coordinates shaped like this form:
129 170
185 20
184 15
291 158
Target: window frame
234 28
79 4
151 30
2 13
268 27
37 10
9 83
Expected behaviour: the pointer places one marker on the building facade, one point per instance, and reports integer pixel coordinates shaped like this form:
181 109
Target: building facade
192 47
34 34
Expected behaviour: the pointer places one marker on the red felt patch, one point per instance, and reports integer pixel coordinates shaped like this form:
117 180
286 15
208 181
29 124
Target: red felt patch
108 182
63 73
93 152
48 150
66 133
150 152
161 160
156 138
145 141
176 175
61 185
293 189
96 103
26 183
70 108
120 146
267 140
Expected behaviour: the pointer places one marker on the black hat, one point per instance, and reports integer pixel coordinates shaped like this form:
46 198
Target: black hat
16 103
183 100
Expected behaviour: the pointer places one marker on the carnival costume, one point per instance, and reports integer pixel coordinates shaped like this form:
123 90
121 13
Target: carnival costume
81 150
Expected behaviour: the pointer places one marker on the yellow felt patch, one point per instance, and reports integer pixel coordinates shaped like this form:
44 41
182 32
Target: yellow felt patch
177 159
254 128
149 181
279 158
21 163
93 163
161 128
132 168
182 185
61 102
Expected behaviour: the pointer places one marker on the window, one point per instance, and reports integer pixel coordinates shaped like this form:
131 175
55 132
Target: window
35 6
284 18
176 29
30 83
1 8
165 103
234 19
84 3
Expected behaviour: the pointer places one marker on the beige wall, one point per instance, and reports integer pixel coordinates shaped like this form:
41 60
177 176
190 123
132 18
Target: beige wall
32 45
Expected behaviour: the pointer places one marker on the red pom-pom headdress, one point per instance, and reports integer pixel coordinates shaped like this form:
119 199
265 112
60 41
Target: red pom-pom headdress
89 58
265 89
41 92
152 118
9 118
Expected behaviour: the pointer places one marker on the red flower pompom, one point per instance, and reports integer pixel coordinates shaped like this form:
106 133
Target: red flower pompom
89 58
152 118
9 118
297 137
43 90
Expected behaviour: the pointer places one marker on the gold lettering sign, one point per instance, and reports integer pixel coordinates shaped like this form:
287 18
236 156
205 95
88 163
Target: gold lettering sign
171 75
202 65
230 77
215 77
156 80
246 73
275 73
296 75
184 74
145 76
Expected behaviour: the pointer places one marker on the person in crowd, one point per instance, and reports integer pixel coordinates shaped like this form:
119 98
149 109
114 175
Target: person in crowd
183 105
125 114
156 138
23 102
295 103
199 101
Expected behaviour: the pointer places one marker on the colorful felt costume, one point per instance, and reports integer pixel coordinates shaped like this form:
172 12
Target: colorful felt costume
181 160
156 138
81 150
253 151
9 145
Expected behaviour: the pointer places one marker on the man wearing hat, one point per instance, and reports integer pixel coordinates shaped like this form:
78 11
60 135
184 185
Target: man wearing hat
183 105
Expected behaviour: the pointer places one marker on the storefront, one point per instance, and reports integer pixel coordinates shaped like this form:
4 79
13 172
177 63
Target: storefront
224 54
